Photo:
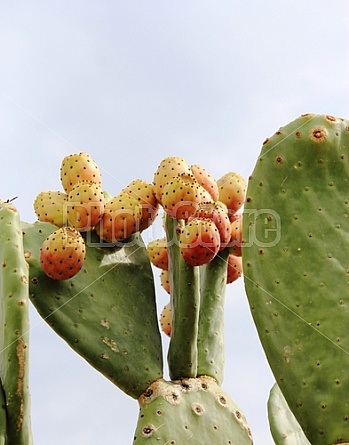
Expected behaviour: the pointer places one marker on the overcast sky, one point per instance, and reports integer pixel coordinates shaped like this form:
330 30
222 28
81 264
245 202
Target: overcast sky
132 82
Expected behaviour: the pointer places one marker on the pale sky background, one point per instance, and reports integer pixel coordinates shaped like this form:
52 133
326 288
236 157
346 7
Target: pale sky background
132 82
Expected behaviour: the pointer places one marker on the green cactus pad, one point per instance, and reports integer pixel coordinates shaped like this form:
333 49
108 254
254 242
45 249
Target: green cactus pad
296 269
185 306
193 411
107 312
283 425
211 351
14 330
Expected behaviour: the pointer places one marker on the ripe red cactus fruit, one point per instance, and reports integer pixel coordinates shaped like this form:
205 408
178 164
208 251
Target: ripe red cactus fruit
49 206
62 254
78 167
157 252
218 213
199 241
166 320
168 168
232 192
235 244
85 205
120 220
234 268
205 179
181 196
144 193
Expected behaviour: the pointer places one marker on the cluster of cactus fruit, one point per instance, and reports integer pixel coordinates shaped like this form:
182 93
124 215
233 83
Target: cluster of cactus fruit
87 271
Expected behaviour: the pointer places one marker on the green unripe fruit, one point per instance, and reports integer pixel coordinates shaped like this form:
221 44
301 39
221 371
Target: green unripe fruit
50 207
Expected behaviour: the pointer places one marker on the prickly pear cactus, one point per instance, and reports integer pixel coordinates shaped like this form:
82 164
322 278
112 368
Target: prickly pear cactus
195 411
107 312
15 426
296 268
283 425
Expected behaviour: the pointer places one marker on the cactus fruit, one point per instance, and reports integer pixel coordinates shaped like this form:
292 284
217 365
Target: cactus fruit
85 205
14 332
157 251
168 169
50 207
232 191
218 213
295 262
283 425
181 196
205 179
199 241
234 268
62 254
120 220
195 411
165 281
166 320
235 244
78 167
144 193
101 312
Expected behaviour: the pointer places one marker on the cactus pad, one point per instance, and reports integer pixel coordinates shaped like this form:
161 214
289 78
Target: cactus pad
106 312
195 411
14 332
283 425
296 269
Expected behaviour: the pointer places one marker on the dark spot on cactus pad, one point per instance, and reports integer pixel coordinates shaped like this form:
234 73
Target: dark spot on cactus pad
35 280
197 408
298 134
148 430
331 118
279 159
278 133
266 141
318 134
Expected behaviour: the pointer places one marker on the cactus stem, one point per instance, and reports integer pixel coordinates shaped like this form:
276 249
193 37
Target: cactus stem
185 304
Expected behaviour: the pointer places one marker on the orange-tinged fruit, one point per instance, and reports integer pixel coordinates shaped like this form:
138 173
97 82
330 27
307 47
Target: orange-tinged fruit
205 179
232 191
168 168
120 219
144 192
199 242
85 205
157 252
234 268
78 167
62 254
166 320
